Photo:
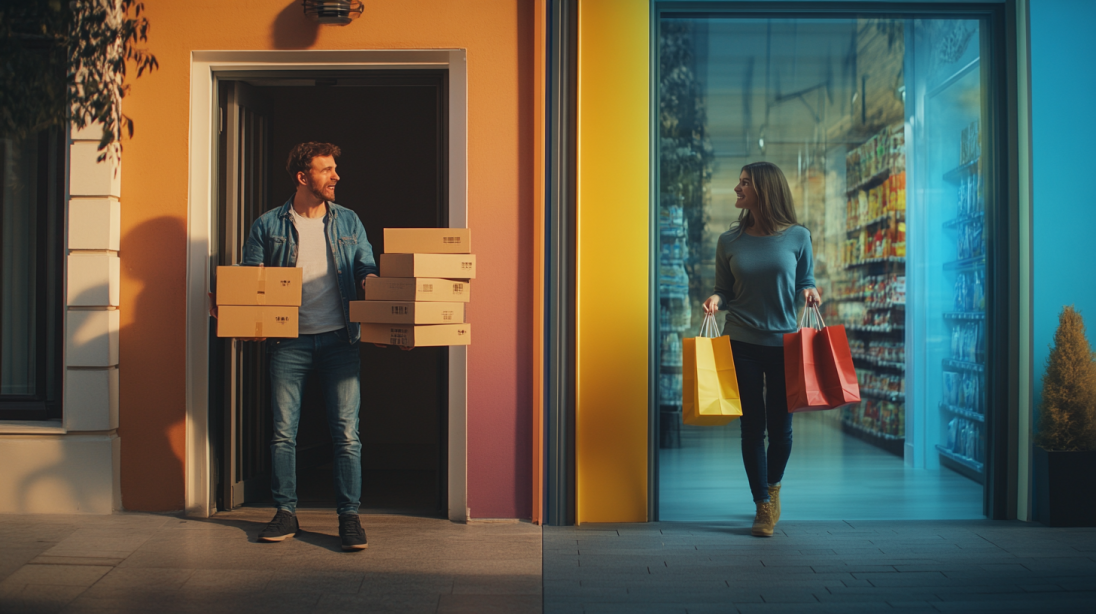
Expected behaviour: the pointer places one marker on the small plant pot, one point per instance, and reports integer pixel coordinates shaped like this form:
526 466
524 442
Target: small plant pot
1065 488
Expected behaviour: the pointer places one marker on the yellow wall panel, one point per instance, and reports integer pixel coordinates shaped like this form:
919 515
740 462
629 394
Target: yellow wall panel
612 261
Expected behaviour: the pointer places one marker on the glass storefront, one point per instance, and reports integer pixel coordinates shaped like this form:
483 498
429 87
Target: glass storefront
880 126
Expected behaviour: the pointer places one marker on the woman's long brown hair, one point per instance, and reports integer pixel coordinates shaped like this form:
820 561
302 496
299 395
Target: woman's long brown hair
775 206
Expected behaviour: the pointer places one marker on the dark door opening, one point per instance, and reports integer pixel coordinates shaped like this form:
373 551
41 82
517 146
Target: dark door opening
391 127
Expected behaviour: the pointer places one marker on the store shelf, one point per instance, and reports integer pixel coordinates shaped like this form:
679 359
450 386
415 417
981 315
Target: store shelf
870 182
969 264
885 395
955 174
864 328
884 305
878 363
969 463
852 298
959 221
891 443
962 365
963 411
873 222
870 261
967 316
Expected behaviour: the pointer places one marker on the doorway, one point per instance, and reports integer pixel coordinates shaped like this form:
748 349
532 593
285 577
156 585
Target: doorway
888 130
392 127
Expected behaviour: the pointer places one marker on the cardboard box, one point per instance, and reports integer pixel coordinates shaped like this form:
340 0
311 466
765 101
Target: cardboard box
258 285
445 266
246 321
427 241
416 289
421 335
406 312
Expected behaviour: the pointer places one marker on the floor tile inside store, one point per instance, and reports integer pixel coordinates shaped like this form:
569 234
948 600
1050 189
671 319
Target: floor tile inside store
831 476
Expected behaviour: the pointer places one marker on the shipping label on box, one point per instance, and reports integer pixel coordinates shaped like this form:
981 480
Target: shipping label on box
416 289
420 335
258 285
245 321
427 241
406 312
445 266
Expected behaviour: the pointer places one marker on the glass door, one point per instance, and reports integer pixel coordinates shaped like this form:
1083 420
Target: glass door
879 125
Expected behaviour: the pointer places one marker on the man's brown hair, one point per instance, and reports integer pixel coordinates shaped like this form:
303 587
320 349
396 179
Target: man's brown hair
300 157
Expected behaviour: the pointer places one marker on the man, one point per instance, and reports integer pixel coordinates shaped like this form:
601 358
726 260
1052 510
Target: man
328 242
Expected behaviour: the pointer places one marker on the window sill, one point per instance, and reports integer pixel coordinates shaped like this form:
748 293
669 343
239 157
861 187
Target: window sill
31 427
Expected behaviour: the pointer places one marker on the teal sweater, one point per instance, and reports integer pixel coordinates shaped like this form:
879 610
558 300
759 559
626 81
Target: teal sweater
759 281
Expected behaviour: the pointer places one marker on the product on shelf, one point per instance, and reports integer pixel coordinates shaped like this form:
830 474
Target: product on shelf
878 417
966 341
963 390
965 439
970 143
881 382
970 292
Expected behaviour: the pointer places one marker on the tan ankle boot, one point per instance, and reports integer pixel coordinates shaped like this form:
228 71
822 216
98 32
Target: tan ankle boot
774 498
763 521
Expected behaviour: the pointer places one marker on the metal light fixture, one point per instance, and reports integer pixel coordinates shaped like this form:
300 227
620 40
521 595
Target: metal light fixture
334 12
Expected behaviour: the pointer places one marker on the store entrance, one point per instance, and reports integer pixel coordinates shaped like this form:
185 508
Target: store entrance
391 127
883 128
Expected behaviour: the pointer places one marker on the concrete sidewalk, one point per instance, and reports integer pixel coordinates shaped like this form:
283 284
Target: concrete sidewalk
808 567
166 563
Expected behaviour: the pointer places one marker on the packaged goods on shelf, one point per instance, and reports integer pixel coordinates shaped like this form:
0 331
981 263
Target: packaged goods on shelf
965 439
963 390
878 417
669 389
966 342
881 382
970 292
671 350
970 143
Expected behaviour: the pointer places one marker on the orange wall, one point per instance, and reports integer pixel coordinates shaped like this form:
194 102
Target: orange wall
498 37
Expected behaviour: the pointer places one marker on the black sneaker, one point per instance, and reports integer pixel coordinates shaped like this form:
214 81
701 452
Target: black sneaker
351 532
282 526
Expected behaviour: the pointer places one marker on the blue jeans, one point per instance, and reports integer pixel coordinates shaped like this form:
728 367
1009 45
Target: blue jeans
336 361
764 403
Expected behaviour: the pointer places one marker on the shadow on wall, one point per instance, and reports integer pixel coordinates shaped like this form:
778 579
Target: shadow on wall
152 353
292 29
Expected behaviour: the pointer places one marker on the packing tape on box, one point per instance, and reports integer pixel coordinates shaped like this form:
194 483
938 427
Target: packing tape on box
259 327
261 286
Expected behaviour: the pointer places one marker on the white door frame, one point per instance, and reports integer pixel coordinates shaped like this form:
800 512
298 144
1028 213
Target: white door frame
202 202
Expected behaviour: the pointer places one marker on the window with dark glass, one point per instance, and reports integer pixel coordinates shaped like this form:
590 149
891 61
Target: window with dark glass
31 263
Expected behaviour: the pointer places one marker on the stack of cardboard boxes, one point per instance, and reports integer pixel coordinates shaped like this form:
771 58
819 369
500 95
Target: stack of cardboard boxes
420 297
254 302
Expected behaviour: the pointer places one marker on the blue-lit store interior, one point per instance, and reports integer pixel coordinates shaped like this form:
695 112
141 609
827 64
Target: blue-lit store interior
880 126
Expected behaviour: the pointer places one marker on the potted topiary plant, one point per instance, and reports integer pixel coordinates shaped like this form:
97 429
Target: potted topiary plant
1065 440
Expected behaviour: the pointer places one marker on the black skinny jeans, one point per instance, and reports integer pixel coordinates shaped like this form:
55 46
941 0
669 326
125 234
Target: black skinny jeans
760 370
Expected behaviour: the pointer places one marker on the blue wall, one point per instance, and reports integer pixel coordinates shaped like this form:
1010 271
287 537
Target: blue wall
1063 108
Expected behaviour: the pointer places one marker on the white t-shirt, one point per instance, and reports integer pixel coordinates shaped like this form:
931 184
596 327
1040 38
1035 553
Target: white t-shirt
321 306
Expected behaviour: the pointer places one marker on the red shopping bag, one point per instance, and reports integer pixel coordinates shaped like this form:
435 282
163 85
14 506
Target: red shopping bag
834 359
801 373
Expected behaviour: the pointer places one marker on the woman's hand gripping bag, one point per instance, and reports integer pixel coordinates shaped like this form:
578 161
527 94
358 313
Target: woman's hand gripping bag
709 382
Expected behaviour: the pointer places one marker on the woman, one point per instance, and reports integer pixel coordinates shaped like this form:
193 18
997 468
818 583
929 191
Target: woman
762 264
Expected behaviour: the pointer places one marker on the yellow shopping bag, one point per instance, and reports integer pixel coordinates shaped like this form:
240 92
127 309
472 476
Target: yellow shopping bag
709 382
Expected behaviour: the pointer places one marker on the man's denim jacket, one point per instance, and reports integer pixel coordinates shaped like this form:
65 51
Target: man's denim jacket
273 242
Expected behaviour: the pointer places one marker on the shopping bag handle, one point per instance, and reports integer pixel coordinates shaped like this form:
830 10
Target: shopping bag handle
814 321
708 328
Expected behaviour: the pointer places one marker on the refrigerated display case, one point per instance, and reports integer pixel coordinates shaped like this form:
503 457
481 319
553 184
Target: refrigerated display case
949 111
